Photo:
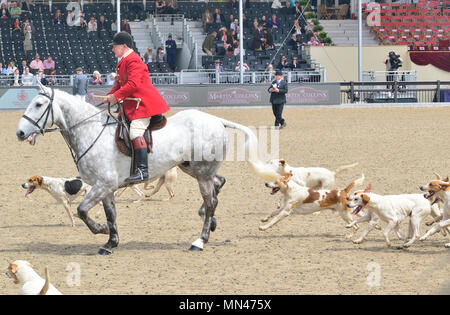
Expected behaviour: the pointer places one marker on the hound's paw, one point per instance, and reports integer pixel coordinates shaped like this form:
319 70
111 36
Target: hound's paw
447 245
265 219
358 241
347 237
423 238
263 228
377 227
429 223
349 226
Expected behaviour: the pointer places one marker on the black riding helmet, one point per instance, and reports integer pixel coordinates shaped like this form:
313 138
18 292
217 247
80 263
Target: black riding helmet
122 38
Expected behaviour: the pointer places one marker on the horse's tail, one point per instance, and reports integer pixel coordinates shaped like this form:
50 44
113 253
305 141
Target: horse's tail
251 143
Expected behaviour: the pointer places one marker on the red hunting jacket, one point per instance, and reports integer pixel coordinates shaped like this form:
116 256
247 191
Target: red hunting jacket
133 80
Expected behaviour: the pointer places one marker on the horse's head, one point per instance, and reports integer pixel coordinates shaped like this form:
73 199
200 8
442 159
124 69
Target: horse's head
38 116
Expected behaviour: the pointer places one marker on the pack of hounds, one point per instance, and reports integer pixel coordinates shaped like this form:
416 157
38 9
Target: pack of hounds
304 190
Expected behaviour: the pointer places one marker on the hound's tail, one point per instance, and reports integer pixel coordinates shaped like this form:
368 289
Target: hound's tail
251 144
345 167
46 286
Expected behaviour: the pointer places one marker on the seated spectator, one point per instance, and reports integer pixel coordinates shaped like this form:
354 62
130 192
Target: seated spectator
114 26
293 43
217 66
83 25
14 10
51 78
97 78
102 26
244 66
11 67
309 26
37 64
207 18
49 64
293 2
23 66
16 78
3 70
28 78
160 56
209 44
283 63
27 5
264 22
267 42
16 26
58 20
294 66
313 42
148 56
4 13
235 26
237 49
125 27
161 7
274 23
111 78
171 7
218 17
276 4
234 4
40 77
288 9
92 25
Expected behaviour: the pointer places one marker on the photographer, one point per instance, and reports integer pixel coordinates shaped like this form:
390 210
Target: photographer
392 62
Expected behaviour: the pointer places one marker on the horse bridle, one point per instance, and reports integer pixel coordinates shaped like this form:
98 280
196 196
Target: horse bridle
46 113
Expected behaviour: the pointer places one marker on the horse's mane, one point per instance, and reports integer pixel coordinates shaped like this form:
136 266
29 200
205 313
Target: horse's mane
72 98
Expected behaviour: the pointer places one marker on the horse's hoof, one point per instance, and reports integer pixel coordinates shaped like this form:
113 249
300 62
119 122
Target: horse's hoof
103 251
213 224
195 248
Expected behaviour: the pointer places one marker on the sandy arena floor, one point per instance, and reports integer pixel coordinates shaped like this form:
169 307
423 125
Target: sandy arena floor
398 149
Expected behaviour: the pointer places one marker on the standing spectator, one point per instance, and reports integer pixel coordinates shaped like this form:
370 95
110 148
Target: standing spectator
264 22
49 64
209 44
11 67
297 30
37 64
97 78
40 77
234 4
207 18
309 35
14 10
171 51
92 25
28 78
80 84
276 4
237 49
171 7
4 13
235 26
293 43
28 5
268 39
298 9
270 74
26 23
292 2
160 55
27 40
218 17
278 90
257 36
16 78
148 56
3 71
274 23
125 27
111 80
288 9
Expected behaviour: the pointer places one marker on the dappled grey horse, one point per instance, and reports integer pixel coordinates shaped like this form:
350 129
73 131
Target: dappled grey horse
193 140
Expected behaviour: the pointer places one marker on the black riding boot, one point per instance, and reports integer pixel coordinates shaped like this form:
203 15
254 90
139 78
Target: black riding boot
141 161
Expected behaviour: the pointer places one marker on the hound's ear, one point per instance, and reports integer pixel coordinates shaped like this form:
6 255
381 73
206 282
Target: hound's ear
13 267
368 188
286 177
365 199
282 162
445 180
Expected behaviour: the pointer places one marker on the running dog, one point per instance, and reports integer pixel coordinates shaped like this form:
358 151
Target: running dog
306 200
32 284
313 177
393 209
168 179
64 190
440 189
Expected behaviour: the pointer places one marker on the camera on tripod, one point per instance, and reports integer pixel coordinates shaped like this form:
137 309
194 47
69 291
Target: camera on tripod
395 61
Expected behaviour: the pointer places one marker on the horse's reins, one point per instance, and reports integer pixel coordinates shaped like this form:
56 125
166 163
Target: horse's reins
49 110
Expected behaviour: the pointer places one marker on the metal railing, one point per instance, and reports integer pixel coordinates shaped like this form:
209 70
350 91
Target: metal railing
393 92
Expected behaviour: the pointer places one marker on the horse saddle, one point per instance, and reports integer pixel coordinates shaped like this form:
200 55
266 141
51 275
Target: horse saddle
123 137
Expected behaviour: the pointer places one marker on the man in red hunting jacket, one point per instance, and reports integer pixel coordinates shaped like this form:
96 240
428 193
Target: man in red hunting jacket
133 81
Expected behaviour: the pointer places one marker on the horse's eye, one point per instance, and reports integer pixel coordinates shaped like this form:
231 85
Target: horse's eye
38 104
